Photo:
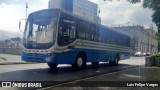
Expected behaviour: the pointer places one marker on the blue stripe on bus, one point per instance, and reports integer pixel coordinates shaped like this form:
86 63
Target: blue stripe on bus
70 57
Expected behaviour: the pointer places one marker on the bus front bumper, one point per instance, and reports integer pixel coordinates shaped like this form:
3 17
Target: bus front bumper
40 58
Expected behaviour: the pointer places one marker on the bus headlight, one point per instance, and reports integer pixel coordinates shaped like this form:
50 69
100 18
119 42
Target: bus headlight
48 59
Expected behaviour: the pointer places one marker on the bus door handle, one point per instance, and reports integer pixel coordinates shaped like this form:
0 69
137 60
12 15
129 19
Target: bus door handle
71 47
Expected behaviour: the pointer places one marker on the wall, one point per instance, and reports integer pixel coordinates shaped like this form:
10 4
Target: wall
145 39
15 51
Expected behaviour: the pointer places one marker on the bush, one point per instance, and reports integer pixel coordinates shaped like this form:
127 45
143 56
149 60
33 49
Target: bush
156 55
150 61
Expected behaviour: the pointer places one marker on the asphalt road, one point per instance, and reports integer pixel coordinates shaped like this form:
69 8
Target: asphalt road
129 79
41 72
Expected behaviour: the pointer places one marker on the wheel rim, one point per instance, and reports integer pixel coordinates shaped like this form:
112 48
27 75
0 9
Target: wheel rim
79 62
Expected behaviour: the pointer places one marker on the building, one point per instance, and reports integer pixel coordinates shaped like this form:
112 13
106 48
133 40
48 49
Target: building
143 40
82 8
11 43
11 46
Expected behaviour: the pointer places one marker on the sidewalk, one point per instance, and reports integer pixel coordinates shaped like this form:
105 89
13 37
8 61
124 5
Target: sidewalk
6 59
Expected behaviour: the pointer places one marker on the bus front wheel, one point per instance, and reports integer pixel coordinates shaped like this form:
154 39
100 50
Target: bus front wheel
52 65
80 63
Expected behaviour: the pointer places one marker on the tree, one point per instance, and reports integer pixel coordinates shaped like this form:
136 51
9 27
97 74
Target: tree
155 6
134 1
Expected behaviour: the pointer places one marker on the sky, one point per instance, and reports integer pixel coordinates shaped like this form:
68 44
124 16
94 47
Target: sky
11 11
112 13
121 13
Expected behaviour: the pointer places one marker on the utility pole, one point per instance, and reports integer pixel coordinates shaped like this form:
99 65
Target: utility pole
25 19
26 11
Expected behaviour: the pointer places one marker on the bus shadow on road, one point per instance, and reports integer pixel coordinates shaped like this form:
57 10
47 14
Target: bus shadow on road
65 73
89 67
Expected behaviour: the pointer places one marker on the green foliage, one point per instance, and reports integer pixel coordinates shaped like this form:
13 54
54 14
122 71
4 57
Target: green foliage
155 6
156 55
156 17
152 4
134 1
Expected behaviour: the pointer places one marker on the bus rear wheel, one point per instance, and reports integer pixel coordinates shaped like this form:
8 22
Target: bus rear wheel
52 65
80 63
115 62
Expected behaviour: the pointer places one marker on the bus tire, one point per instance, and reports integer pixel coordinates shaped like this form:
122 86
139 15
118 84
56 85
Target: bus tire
115 62
79 63
52 65
95 63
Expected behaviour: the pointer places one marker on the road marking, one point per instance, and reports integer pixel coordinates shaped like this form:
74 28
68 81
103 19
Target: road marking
137 66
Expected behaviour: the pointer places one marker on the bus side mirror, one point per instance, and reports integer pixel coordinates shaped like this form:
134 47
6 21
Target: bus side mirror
21 24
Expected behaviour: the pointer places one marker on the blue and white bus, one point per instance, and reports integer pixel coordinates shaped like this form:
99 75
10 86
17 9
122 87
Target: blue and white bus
56 36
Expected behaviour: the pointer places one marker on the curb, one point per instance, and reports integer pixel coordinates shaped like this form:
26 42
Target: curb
12 63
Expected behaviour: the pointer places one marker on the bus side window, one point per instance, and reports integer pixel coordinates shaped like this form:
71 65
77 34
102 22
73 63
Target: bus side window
72 32
69 33
67 30
81 34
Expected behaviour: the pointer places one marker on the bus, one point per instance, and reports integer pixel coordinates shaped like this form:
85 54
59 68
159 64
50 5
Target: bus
56 36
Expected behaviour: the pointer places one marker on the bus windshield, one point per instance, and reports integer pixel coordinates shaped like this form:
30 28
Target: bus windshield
40 29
